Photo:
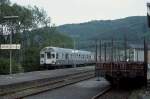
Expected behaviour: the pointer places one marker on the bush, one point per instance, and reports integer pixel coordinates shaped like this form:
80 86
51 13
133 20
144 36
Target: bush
31 61
4 66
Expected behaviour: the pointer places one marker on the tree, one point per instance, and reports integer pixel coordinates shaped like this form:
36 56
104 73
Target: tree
5 2
40 17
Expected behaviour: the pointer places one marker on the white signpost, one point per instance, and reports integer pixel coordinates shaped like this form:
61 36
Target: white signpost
10 46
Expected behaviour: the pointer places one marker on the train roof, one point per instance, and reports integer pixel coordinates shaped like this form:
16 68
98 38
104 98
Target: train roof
58 49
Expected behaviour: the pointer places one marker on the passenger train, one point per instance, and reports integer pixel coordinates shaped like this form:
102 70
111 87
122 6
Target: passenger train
53 57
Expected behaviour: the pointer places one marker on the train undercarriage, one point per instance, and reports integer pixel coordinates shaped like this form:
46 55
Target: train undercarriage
58 66
127 81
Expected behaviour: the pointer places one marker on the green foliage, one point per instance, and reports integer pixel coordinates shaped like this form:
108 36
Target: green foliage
29 17
4 66
31 59
4 2
133 27
49 36
40 17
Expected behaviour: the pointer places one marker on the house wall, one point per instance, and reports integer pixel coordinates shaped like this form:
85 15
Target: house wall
138 55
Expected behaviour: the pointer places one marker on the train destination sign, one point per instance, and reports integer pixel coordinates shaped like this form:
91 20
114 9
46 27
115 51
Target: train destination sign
10 46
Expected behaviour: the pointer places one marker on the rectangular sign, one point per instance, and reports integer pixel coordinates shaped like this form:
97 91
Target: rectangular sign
10 46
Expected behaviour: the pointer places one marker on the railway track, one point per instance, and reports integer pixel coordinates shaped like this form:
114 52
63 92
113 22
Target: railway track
47 85
101 93
111 93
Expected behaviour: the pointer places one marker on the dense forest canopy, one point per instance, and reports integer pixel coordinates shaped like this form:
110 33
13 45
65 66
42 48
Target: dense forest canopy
104 29
134 28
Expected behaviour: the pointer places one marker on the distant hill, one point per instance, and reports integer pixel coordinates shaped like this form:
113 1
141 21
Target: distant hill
133 27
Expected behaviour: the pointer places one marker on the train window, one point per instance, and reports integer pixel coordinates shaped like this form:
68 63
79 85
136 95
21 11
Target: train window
53 55
48 55
42 55
66 56
79 56
56 55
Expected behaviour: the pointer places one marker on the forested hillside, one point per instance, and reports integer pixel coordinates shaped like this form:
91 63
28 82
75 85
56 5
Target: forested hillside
133 27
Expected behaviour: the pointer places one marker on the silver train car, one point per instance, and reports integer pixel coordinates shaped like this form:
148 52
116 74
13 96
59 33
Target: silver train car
55 56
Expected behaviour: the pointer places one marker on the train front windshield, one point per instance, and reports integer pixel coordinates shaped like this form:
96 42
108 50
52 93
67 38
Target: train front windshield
42 55
50 55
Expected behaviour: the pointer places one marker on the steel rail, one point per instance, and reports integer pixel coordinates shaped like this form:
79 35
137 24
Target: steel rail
102 93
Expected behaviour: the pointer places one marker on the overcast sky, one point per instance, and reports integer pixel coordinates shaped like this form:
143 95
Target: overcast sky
77 11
